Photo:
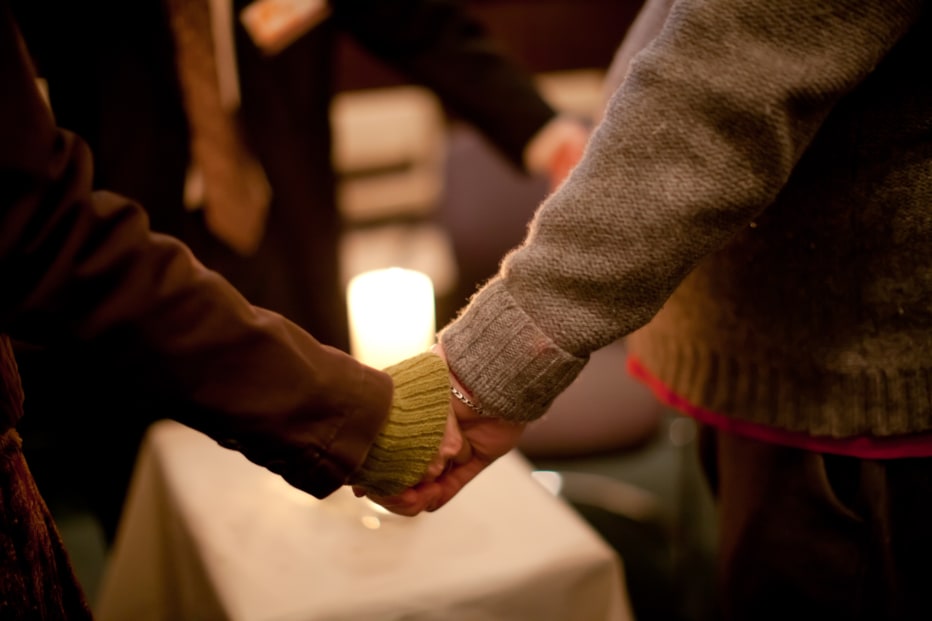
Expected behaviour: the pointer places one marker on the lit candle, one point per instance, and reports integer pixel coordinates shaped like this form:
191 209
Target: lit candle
391 315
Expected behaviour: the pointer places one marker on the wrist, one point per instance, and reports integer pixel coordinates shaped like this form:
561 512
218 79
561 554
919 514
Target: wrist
463 401
413 432
462 398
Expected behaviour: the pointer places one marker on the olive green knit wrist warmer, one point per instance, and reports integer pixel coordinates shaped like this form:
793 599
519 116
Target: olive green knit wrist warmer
412 435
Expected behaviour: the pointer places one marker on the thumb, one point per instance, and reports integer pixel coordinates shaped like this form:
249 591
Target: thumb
453 450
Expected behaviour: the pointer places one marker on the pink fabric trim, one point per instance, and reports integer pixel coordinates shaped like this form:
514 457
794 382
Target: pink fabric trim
897 447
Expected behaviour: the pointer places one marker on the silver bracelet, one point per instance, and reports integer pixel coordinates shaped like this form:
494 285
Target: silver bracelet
471 405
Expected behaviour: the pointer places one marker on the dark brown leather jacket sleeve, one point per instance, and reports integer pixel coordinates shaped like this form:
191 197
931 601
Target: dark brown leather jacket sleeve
82 267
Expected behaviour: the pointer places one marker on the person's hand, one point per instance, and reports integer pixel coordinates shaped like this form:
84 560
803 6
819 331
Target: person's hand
556 149
471 442
566 155
453 449
486 439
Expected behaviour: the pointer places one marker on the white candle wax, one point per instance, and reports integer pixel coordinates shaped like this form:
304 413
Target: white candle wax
391 315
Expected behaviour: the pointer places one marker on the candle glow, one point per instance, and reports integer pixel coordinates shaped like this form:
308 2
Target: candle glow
391 315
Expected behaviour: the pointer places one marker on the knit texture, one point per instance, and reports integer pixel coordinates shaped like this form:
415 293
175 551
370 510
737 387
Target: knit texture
412 435
753 212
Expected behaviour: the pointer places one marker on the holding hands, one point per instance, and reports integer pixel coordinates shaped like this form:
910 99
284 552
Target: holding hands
471 441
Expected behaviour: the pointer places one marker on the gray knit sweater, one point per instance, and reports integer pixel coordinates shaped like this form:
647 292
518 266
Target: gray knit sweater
758 199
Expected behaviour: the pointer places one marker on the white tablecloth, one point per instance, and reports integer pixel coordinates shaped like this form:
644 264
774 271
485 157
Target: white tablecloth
208 535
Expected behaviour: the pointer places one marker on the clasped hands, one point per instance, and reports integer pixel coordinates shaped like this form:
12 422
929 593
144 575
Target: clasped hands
470 443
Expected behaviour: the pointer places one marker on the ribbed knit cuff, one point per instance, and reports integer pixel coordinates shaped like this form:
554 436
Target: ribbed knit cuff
496 350
412 435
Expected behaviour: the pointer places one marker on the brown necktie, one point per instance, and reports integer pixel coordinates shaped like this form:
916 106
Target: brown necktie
236 192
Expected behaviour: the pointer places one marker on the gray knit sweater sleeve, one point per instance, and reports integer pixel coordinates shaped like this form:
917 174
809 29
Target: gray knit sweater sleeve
698 141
